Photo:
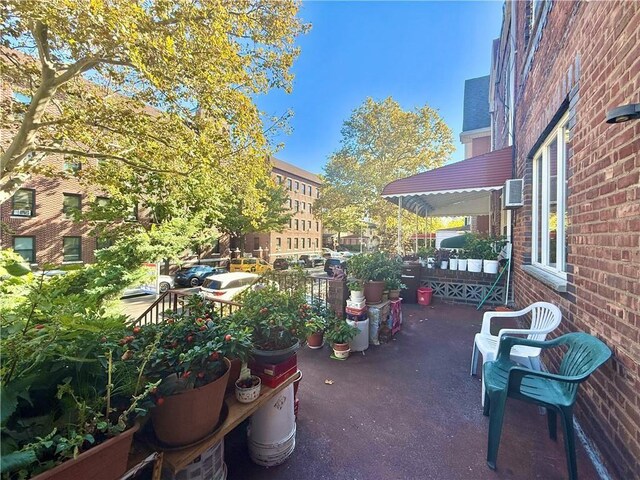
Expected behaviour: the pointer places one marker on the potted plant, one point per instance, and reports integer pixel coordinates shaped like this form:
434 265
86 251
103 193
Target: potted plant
68 402
355 287
442 258
277 319
462 259
248 389
394 285
187 355
477 248
453 260
316 324
340 333
490 262
373 269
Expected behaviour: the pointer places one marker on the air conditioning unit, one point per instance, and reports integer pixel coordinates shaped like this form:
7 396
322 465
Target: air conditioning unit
22 213
512 196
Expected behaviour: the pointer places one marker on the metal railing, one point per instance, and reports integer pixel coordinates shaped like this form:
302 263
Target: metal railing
315 288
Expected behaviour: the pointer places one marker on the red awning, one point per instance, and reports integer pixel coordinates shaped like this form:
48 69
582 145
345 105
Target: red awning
461 188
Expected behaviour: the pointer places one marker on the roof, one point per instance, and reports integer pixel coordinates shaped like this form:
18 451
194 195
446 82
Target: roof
289 168
476 104
460 188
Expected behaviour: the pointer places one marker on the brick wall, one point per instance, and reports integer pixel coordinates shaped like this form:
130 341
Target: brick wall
588 53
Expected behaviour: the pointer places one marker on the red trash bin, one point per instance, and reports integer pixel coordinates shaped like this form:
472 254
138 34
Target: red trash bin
424 295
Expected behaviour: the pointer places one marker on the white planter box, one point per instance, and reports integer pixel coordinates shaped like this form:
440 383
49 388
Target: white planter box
462 264
453 264
491 266
443 265
474 265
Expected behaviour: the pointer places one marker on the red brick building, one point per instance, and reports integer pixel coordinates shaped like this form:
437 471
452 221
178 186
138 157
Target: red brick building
558 67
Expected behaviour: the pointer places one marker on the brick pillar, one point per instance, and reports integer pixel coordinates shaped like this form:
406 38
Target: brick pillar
337 296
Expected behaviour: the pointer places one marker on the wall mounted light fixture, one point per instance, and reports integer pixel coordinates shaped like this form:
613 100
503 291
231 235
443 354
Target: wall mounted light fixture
623 113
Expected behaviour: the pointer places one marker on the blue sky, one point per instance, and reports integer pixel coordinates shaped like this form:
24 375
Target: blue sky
416 52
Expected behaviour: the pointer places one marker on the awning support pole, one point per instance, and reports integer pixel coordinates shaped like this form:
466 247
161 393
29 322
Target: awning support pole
417 228
399 226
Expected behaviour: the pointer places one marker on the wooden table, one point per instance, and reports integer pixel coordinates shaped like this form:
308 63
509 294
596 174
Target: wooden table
177 460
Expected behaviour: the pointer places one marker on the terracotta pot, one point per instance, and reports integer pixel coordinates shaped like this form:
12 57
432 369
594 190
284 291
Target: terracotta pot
394 294
191 415
315 340
341 350
373 291
234 373
102 462
272 357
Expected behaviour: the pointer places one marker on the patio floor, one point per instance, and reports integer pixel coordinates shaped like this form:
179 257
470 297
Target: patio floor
408 409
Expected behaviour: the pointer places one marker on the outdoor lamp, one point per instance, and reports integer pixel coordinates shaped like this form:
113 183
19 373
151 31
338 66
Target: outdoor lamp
624 113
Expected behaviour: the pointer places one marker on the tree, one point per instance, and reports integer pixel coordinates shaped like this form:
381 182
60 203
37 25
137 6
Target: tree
160 88
380 143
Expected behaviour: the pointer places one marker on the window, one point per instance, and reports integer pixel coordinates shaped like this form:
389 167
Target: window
278 242
310 209
103 201
297 204
310 192
549 215
297 186
71 203
290 223
289 183
295 243
24 203
279 179
316 243
317 226
71 165
304 225
289 243
309 242
132 213
256 243
317 193
25 246
304 206
290 204
296 223
71 249
304 189
309 224
103 242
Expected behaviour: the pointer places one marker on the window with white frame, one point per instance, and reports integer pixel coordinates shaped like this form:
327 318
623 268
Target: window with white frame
549 202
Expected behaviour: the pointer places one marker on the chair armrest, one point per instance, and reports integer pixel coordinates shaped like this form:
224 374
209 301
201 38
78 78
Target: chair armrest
506 342
522 331
486 318
517 374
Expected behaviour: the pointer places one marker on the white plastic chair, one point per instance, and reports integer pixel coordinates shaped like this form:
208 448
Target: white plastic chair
545 317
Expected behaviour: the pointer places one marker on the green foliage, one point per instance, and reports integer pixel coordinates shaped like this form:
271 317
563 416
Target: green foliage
393 283
187 350
426 252
374 267
339 331
482 247
355 285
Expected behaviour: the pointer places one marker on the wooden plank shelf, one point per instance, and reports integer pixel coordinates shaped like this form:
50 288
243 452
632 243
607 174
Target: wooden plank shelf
176 460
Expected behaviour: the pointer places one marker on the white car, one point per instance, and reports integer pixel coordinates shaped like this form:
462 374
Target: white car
165 282
225 286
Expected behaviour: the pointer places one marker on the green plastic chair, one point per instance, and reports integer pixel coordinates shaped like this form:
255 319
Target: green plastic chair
555 392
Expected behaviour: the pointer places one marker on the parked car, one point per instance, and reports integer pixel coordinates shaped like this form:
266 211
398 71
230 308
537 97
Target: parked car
165 282
329 263
195 275
311 261
280 264
255 265
227 285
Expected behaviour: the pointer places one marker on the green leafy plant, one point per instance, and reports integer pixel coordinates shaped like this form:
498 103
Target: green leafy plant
187 350
426 252
277 318
355 285
339 331
394 284
374 266
442 255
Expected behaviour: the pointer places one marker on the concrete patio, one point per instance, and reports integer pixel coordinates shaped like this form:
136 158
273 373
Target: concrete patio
408 409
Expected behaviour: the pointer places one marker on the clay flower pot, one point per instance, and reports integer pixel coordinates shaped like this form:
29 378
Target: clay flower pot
102 462
394 294
373 291
189 416
341 350
315 340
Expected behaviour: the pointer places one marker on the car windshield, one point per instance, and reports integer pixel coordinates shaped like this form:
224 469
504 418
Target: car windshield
212 284
236 261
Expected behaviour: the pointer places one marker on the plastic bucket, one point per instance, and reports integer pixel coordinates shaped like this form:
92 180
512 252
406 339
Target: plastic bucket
361 341
209 466
270 455
424 295
273 423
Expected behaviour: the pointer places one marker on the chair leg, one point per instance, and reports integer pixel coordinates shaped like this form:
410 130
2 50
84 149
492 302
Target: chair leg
569 442
474 359
497 401
486 404
552 424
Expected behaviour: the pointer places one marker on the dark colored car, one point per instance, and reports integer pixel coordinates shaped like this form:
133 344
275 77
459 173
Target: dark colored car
280 264
311 261
329 263
194 276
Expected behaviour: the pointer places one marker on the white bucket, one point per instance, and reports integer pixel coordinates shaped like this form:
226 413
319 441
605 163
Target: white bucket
474 265
491 266
443 264
274 454
273 423
462 264
453 264
361 341
357 295
209 466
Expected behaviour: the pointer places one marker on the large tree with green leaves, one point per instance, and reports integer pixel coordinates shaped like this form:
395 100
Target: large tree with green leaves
160 91
381 142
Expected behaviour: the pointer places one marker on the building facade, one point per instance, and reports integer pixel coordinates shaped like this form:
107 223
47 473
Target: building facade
558 67
303 235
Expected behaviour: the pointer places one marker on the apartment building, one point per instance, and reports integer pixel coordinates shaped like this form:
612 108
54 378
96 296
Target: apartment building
304 232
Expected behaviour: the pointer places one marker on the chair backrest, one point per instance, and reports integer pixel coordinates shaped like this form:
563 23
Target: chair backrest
585 353
544 316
